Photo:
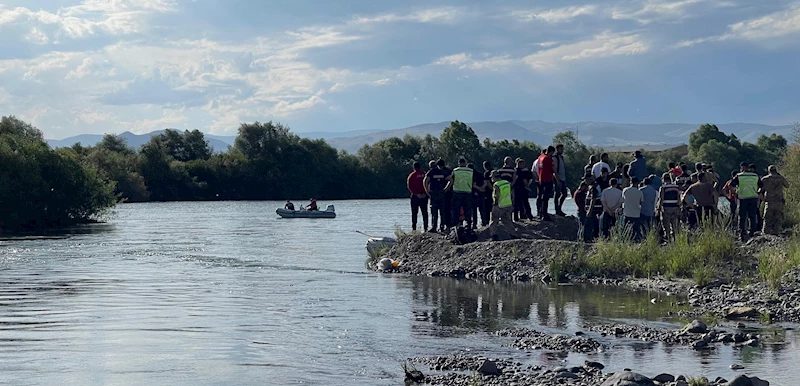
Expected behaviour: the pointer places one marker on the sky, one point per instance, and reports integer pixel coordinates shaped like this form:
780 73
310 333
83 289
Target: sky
108 66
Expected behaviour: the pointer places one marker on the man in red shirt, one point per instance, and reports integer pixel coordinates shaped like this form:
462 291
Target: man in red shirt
547 178
419 198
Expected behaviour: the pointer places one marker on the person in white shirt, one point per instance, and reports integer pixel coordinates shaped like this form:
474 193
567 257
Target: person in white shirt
632 199
598 167
612 202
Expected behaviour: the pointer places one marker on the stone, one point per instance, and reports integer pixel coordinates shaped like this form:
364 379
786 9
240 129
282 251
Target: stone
596 365
756 381
489 368
696 327
741 380
627 378
700 345
664 378
567 375
742 312
736 366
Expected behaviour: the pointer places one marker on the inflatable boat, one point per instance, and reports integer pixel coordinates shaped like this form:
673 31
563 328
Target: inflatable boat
330 212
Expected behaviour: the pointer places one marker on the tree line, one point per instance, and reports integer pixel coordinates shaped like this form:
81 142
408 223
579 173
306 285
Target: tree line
42 187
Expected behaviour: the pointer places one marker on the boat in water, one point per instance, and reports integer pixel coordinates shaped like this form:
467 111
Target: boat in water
330 212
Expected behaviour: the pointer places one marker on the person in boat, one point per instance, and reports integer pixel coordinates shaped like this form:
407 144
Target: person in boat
289 205
312 205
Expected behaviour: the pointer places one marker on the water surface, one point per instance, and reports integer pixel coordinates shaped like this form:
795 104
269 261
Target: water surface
220 293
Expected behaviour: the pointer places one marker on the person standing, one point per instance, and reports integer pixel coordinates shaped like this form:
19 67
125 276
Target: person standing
579 198
478 191
448 196
561 179
730 194
773 186
521 191
419 197
486 203
747 185
547 176
669 206
587 170
649 198
594 209
501 206
705 197
638 168
598 167
612 202
632 199
435 182
460 182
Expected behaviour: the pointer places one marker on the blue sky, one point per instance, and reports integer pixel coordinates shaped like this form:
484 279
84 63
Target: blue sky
97 66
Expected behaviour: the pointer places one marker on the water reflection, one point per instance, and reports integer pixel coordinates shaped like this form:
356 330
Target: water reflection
476 306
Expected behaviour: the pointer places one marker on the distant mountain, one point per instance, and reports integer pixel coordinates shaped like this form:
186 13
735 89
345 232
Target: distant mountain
606 134
218 143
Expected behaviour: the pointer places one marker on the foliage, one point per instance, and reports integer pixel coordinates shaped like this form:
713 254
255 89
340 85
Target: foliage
692 255
790 168
773 263
41 187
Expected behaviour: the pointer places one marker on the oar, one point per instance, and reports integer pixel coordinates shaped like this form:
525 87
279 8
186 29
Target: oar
360 232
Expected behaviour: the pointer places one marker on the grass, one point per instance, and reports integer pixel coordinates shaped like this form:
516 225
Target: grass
773 263
698 381
694 255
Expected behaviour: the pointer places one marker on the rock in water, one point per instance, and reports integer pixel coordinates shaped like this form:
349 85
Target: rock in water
596 365
664 378
489 368
756 381
741 380
736 367
696 327
742 312
627 378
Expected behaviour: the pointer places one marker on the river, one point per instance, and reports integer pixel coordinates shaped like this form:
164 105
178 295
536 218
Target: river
213 293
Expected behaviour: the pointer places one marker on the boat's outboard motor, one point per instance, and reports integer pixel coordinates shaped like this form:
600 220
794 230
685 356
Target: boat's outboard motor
330 209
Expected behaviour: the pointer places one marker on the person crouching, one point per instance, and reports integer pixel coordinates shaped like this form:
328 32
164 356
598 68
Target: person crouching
502 206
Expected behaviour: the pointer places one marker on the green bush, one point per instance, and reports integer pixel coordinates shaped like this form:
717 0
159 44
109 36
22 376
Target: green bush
773 263
40 187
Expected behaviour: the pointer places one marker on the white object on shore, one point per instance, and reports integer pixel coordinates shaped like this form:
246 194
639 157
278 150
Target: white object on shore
385 264
375 244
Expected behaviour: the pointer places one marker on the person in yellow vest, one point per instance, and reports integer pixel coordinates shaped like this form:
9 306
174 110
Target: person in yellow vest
502 206
747 185
774 202
461 181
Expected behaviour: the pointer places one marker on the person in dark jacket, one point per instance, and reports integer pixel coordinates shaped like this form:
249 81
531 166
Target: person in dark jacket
419 197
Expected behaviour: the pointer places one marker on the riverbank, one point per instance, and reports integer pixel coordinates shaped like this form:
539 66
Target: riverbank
721 277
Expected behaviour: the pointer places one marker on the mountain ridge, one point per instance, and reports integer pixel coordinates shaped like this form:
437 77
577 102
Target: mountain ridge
606 134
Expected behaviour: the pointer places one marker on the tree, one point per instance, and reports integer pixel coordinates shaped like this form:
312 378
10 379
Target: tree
775 143
17 128
458 140
115 143
723 157
704 134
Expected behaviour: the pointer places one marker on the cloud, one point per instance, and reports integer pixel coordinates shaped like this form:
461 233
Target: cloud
775 25
438 15
655 10
557 15
600 46
466 61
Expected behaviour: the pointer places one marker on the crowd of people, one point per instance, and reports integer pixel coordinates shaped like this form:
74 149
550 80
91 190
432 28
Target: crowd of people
627 196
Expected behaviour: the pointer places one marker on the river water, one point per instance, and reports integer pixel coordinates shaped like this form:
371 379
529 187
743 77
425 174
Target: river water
219 293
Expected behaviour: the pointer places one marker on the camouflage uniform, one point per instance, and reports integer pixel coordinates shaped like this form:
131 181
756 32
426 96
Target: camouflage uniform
774 184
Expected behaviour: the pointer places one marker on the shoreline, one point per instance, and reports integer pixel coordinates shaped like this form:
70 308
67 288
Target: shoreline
734 293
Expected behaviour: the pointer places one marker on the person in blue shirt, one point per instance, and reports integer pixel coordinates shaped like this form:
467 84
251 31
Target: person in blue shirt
638 168
650 196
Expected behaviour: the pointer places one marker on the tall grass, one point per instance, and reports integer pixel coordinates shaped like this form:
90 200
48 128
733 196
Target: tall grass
773 263
693 254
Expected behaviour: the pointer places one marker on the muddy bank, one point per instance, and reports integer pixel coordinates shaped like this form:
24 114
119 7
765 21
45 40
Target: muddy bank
465 369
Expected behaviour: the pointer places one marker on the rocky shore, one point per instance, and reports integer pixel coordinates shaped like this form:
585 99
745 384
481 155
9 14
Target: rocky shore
464 369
